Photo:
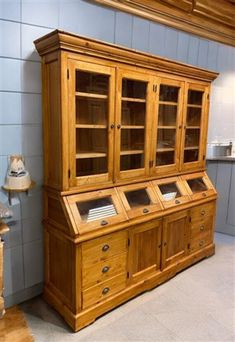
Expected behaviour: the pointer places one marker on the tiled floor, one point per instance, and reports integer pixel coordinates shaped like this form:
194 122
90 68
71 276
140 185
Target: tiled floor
196 305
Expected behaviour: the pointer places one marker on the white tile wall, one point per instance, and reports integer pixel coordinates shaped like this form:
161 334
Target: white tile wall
10 9
31 77
10 74
10 39
33 262
31 108
10 108
42 13
10 139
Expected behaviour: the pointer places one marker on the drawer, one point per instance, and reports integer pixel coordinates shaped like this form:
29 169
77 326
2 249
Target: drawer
202 211
200 241
104 270
104 290
105 247
201 227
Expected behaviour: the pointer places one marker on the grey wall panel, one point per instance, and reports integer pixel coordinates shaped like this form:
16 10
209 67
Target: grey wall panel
212 55
183 46
123 29
140 35
231 207
171 43
212 171
202 53
193 50
157 37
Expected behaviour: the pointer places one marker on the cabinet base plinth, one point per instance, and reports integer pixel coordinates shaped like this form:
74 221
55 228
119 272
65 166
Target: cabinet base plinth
86 317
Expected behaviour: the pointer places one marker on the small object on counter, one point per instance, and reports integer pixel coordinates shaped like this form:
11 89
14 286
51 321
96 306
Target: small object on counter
219 149
5 212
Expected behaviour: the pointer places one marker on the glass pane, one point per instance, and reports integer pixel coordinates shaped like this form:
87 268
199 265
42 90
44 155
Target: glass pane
195 97
168 93
132 139
197 185
89 82
91 166
138 198
169 191
133 113
166 138
191 155
167 115
165 158
193 116
134 89
91 111
96 209
131 162
192 137
90 140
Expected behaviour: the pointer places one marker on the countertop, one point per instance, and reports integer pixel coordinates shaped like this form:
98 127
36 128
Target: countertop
222 158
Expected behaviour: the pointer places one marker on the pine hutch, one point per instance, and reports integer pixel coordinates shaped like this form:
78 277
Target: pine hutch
128 203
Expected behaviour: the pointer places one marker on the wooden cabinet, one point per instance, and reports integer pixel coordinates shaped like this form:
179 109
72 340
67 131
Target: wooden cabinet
175 238
145 250
127 201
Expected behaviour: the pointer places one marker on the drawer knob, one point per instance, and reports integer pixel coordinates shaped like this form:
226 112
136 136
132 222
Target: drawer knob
203 212
177 202
105 269
105 290
202 228
105 248
201 243
203 194
145 210
104 222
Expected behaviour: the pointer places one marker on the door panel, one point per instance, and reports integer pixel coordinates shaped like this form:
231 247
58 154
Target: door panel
175 238
91 115
144 253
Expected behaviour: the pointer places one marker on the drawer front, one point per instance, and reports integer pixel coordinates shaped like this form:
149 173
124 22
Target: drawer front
104 270
104 290
202 211
200 242
102 248
201 227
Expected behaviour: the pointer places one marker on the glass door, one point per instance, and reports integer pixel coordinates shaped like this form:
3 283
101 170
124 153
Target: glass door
91 113
168 126
198 185
195 127
132 125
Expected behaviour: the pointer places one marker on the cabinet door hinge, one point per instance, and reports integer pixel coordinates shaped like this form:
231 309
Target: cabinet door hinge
208 96
190 220
69 173
151 163
204 157
128 242
128 275
67 74
188 245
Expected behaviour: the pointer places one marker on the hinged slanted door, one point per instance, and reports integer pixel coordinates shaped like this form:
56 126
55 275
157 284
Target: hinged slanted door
91 117
198 185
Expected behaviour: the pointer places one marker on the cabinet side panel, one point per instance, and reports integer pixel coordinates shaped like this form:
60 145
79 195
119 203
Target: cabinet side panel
52 124
59 266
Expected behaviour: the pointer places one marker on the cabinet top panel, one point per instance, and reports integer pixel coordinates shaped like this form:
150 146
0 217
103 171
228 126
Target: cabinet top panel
60 40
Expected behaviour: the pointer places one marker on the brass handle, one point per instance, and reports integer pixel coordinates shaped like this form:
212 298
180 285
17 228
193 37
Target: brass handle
105 290
105 248
177 202
180 126
145 210
202 227
112 126
118 126
105 269
203 212
203 194
103 223
201 243
164 243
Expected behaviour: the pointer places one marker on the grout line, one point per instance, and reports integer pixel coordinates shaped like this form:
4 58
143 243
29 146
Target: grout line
20 59
27 24
19 92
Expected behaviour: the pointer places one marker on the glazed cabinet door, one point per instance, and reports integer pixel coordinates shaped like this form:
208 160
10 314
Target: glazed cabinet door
167 126
195 121
91 122
133 123
175 238
145 250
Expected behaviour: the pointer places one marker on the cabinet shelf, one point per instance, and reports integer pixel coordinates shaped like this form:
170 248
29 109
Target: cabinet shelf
91 95
133 127
84 155
166 127
168 103
167 149
194 106
127 152
192 148
90 126
133 99
193 127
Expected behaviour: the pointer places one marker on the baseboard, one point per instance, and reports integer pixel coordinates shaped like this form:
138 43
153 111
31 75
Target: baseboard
23 295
